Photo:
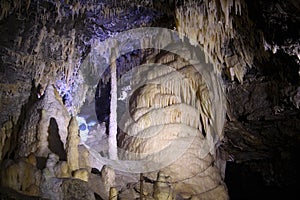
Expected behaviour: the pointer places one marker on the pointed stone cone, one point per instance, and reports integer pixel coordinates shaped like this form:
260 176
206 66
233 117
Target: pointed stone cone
72 145
113 194
161 189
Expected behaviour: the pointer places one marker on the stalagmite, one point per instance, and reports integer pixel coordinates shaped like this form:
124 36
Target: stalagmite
62 170
108 177
22 176
113 194
161 190
51 162
72 145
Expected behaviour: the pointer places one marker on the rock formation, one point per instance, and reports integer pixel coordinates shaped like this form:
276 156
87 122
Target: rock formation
173 105
72 145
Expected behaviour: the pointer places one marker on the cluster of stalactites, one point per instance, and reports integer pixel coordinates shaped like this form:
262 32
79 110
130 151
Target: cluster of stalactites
46 66
211 24
148 38
8 6
106 8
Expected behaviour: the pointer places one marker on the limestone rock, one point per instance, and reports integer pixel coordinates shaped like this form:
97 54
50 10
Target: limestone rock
51 161
113 193
216 194
33 190
161 190
84 161
21 176
96 184
60 118
174 107
36 130
108 177
61 170
81 174
5 138
202 26
31 159
72 144
66 189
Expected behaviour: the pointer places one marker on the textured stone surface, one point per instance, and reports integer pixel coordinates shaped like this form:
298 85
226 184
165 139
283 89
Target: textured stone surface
34 133
171 108
62 170
108 177
66 189
72 144
10 194
161 189
81 174
6 134
22 176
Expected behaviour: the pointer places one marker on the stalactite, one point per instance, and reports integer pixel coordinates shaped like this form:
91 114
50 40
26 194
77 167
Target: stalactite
211 25
70 63
28 2
17 5
58 11
5 8
75 9
40 39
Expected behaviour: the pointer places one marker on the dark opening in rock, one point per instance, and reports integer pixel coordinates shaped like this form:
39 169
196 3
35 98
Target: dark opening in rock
54 141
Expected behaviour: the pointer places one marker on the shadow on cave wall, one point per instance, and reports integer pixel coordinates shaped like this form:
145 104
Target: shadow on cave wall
55 144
